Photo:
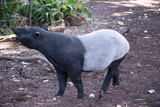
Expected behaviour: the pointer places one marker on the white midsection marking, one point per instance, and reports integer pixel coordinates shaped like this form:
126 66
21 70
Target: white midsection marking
102 48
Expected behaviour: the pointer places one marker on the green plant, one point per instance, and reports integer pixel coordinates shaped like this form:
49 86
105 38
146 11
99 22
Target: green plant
7 9
47 11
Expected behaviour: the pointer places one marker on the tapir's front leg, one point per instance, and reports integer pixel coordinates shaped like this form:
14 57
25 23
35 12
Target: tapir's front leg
62 80
75 77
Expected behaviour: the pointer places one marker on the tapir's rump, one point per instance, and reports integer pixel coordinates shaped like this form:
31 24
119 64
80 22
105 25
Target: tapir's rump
102 48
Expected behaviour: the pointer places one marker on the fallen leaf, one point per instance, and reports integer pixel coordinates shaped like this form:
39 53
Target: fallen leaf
151 91
29 96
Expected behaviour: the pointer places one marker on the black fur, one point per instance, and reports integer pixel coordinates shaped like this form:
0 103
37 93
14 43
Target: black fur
65 52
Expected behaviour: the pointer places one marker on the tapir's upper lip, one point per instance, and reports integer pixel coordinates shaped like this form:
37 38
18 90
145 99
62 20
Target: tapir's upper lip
15 30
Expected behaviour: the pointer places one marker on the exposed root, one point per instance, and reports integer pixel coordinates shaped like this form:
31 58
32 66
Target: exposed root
2 57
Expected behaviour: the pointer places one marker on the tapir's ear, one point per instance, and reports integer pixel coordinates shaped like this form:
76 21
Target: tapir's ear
45 27
37 34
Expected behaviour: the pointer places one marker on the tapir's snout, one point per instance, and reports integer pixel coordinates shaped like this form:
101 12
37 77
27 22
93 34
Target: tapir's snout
17 32
13 28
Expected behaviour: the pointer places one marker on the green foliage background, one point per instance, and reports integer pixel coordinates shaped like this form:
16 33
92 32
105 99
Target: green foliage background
43 11
47 11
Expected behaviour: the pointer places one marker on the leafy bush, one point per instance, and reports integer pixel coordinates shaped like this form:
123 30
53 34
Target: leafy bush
6 15
43 11
47 11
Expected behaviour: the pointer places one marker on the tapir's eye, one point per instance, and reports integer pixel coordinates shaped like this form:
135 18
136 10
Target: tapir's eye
37 34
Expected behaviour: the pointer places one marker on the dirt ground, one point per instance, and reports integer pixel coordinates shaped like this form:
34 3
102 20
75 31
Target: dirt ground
140 70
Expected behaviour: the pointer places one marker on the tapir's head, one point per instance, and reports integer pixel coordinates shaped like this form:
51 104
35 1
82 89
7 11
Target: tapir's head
30 37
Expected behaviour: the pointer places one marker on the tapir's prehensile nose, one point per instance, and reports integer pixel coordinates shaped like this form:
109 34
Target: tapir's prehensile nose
13 28
16 31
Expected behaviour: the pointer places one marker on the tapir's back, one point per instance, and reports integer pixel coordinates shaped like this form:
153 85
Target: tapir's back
102 48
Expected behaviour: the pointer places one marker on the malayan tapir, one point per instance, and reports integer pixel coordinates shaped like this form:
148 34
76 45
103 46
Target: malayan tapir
70 55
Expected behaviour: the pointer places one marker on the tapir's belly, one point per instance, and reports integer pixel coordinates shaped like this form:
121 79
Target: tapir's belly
102 48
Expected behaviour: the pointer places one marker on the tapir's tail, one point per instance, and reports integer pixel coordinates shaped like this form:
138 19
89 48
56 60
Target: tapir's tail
127 31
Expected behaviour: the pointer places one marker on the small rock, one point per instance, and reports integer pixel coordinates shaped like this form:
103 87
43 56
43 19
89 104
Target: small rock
151 91
145 31
139 99
39 61
145 15
91 95
54 98
12 68
16 80
118 106
146 37
13 75
80 104
129 20
71 84
120 22
40 103
45 80
48 69
20 89
138 64
130 11
29 96
24 63
148 65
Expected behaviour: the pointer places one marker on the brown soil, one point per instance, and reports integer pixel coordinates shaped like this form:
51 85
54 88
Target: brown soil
140 71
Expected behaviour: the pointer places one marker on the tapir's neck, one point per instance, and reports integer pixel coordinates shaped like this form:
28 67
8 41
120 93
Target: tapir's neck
53 43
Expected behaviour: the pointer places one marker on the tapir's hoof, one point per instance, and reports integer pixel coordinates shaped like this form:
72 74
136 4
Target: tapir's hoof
81 97
59 94
116 83
99 98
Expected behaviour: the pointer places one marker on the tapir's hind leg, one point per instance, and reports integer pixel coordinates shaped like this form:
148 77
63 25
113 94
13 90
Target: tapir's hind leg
115 65
113 72
116 78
